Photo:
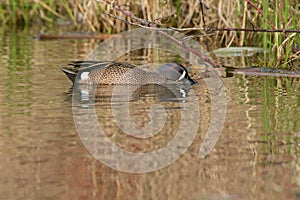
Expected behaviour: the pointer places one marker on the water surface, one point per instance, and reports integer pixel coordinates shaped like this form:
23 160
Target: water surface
42 156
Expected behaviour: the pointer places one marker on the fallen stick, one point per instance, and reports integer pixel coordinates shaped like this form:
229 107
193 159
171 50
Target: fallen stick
45 36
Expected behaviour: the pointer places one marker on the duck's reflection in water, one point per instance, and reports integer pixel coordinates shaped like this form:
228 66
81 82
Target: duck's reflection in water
138 111
84 95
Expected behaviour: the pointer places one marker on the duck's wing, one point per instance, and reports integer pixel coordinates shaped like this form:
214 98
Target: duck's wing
86 65
122 65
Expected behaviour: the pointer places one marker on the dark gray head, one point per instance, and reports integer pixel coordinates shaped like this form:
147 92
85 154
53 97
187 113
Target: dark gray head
175 72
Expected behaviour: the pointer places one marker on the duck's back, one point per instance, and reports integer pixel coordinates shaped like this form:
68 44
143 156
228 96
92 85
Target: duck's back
121 73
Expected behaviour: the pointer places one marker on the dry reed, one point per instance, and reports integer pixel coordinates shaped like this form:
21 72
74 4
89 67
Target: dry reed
90 15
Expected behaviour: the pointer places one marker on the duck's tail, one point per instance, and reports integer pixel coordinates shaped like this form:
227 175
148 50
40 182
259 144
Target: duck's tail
70 74
77 67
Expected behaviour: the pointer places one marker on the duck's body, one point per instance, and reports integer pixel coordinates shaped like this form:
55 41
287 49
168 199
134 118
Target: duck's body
94 72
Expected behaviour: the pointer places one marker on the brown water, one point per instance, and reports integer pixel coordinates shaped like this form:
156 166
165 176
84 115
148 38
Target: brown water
42 155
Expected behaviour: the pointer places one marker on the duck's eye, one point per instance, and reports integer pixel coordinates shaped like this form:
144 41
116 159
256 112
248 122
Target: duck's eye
182 75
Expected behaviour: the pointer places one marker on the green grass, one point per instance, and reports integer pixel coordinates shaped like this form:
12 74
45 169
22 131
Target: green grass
282 14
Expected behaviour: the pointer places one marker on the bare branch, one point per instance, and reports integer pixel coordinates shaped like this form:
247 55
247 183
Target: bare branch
154 26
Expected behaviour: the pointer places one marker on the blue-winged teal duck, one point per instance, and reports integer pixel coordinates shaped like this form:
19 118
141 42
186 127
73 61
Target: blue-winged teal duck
94 72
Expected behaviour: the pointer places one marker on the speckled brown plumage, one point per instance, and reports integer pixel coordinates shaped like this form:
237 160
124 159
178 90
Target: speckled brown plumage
124 73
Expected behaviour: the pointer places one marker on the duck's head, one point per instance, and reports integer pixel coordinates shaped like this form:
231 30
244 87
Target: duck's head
175 72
